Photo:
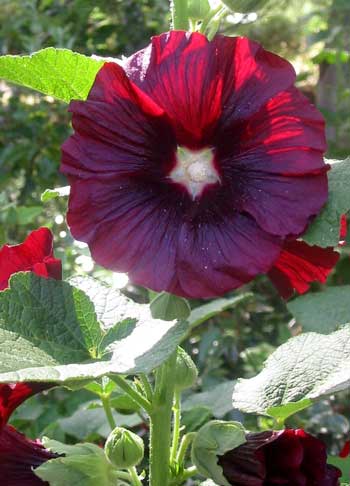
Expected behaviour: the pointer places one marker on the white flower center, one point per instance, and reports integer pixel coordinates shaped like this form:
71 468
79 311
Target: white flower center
194 170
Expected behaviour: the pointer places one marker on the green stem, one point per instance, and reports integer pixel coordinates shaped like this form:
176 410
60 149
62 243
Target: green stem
134 394
147 387
160 421
176 426
208 18
179 14
122 475
188 473
106 402
136 481
185 444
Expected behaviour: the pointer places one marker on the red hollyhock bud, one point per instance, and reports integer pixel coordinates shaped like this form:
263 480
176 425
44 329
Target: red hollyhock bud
289 457
35 254
193 163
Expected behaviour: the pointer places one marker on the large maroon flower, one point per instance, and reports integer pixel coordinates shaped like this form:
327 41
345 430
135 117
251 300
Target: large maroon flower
289 458
19 455
192 164
34 254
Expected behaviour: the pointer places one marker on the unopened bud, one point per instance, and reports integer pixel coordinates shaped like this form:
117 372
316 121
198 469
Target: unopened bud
185 372
214 439
124 448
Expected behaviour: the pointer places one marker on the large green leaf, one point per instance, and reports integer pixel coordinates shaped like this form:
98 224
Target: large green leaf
81 465
206 311
304 368
323 311
60 73
217 399
54 331
324 231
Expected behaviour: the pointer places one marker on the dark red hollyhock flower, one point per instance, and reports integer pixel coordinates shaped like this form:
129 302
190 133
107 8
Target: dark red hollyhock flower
193 163
19 455
345 452
289 458
34 254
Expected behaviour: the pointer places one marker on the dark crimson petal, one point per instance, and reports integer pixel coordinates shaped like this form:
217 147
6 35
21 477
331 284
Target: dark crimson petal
300 264
13 394
315 455
220 254
198 82
132 228
278 159
34 254
245 465
119 131
333 474
285 453
18 456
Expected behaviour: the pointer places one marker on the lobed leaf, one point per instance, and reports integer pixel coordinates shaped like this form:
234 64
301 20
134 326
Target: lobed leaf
324 230
53 331
305 368
333 309
60 73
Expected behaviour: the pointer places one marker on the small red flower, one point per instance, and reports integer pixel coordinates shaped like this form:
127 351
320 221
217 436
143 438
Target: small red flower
35 254
19 455
192 164
345 452
289 457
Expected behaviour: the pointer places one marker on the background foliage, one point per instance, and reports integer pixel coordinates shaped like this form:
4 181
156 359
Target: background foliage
315 37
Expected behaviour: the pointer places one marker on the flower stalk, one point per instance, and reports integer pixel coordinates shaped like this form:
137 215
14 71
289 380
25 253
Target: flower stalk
179 14
160 418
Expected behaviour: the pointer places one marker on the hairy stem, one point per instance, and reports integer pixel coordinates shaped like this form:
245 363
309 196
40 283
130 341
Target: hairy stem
134 394
179 14
160 418
136 481
176 427
106 402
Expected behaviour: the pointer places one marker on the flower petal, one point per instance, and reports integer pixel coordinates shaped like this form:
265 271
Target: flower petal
221 254
18 456
198 82
34 254
13 394
300 264
119 131
277 160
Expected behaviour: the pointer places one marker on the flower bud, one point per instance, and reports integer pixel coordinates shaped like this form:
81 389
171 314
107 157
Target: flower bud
186 372
124 448
215 439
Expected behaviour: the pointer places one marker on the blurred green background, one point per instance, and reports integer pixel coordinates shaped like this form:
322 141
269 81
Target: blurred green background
314 36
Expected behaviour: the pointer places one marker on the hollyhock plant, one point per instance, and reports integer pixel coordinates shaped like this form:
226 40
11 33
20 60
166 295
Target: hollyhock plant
19 455
194 166
289 457
35 254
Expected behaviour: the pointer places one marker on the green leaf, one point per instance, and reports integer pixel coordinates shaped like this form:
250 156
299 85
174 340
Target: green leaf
49 194
218 399
60 73
168 307
324 230
306 367
215 439
206 311
52 331
343 465
324 311
282 412
27 214
90 421
82 465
